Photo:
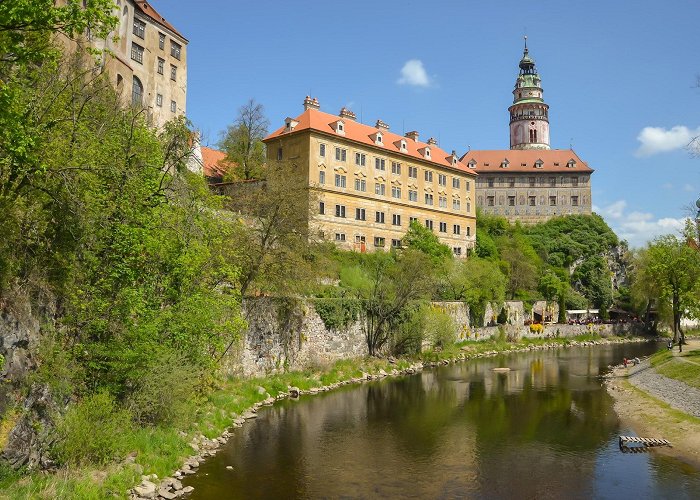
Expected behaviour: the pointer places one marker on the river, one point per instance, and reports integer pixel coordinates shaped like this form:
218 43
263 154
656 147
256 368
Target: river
545 429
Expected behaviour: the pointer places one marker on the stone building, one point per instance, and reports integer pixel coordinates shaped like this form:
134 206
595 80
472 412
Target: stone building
371 182
530 182
146 59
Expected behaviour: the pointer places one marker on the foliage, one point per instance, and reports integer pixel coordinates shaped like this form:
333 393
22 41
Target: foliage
592 279
439 328
243 144
520 262
424 240
536 328
92 431
337 312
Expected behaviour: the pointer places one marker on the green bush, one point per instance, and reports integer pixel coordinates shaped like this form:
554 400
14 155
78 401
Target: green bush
408 332
165 392
337 313
93 431
439 328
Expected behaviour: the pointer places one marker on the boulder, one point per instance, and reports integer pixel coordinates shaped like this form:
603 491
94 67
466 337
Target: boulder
146 490
163 493
188 489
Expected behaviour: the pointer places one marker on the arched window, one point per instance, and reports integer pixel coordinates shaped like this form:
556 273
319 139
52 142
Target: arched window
137 92
120 79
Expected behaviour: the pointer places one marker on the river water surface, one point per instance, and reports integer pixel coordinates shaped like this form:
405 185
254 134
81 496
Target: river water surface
546 429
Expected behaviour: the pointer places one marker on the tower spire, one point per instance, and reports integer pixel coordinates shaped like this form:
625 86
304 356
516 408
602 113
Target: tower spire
529 114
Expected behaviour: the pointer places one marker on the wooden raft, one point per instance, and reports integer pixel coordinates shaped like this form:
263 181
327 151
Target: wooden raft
645 442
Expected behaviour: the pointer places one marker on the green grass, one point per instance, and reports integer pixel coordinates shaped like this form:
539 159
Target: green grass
686 370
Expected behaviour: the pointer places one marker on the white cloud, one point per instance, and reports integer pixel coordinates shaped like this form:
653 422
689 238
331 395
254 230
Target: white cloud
689 188
659 140
636 227
413 73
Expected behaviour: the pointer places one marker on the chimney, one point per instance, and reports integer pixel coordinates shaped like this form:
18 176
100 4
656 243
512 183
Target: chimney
311 103
346 113
382 125
412 135
432 141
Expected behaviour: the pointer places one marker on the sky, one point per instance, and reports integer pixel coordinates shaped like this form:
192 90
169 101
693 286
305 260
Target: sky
620 77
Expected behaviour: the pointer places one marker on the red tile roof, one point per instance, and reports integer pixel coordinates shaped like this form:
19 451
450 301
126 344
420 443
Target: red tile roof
523 160
214 163
148 10
312 119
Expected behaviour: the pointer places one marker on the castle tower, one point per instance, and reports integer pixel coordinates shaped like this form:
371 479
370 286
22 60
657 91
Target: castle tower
529 115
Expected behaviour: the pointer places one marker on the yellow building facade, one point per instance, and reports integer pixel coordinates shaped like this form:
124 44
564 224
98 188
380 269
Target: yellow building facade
370 183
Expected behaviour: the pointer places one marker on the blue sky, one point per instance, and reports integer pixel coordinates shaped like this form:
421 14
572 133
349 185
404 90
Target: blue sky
620 78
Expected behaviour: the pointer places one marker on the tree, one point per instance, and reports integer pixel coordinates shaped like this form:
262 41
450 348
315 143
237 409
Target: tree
669 270
424 240
593 279
521 263
243 142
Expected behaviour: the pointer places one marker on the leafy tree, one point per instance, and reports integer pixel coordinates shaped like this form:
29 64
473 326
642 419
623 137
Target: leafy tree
592 278
669 270
243 142
521 263
424 240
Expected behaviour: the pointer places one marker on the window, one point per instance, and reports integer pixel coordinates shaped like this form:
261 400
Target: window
552 201
574 201
469 231
340 181
175 50
455 182
380 189
322 150
137 52
489 182
412 195
511 201
379 241
428 176
468 185
321 177
456 204
469 207
511 181
442 179
339 236
552 181
136 92
340 154
321 208
161 41
379 217
428 199
490 201
360 185
161 66
359 239
379 163
443 227
173 72
139 28
340 211
411 220
574 181
532 200
413 172
396 192
159 100
360 214
396 220
279 154
429 224
457 250
531 181
456 229
395 168
395 243
360 159
173 106
442 201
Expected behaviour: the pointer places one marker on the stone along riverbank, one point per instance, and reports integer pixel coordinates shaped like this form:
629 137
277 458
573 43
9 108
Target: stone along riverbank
204 448
656 405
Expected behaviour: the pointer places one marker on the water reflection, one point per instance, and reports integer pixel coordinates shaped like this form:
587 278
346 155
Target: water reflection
545 429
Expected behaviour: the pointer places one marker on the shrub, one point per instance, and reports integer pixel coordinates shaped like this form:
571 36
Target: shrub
439 328
165 391
536 328
337 313
93 431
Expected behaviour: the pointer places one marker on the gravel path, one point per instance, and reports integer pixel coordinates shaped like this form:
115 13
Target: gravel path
676 393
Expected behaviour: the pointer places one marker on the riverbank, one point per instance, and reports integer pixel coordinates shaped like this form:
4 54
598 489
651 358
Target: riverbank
660 398
161 456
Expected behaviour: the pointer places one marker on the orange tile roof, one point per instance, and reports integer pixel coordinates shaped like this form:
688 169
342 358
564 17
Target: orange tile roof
214 163
523 160
312 119
148 10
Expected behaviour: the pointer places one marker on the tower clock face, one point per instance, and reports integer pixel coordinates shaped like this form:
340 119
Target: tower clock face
529 93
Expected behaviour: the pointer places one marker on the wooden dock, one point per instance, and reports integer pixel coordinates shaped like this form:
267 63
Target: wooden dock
645 443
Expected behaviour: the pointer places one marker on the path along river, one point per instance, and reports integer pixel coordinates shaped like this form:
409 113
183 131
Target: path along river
545 429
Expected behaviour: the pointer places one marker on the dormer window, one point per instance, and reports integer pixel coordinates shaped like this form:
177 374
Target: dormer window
289 124
403 146
504 163
571 163
340 127
539 163
472 164
378 139
427 152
